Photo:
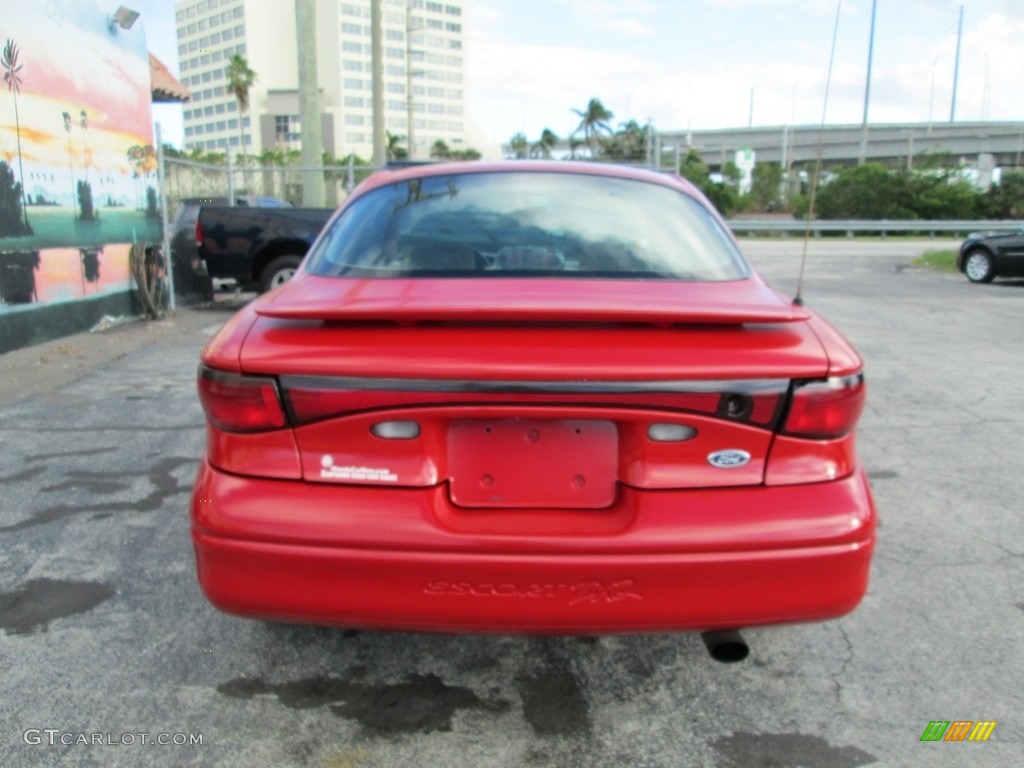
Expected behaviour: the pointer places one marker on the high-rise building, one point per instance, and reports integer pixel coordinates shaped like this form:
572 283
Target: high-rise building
424 67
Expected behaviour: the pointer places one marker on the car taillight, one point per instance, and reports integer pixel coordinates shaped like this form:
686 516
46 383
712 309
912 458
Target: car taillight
199 233
237 403
823 410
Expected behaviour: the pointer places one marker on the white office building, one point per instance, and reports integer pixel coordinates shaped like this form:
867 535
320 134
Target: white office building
424 74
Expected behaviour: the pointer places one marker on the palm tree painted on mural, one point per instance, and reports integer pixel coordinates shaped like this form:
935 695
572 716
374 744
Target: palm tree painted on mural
71 162
594 121
84 122
9 61
240 79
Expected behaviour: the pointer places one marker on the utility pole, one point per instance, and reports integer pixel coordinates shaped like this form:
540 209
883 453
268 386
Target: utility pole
377 67
867 89
750 116
409 106
309 105
956 65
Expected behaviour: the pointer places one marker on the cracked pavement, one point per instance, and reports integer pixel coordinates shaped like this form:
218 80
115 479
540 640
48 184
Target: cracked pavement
103 628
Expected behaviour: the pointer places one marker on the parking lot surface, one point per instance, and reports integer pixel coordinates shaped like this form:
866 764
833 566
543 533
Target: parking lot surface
104 635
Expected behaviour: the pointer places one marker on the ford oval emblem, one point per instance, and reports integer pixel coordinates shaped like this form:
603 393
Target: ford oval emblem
728 459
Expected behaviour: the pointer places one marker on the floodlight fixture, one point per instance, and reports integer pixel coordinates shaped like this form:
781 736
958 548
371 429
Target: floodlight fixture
124 18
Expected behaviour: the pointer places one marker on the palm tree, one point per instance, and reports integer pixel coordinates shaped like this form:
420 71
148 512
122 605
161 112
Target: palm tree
394 150
84 122
71 163
440 150
11 67
519 145
594 122
548 139
240 79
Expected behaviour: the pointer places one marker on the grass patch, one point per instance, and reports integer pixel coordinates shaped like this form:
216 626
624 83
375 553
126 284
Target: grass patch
942 260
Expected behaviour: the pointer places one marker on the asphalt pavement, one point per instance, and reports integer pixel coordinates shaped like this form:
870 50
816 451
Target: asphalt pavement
107 647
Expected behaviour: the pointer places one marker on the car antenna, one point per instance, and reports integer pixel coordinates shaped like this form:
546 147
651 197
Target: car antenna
798 300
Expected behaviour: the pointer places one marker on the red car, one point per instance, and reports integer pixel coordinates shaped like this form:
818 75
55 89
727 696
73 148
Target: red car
531 397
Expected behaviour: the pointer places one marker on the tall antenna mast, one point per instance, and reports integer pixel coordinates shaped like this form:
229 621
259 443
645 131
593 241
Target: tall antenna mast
798 300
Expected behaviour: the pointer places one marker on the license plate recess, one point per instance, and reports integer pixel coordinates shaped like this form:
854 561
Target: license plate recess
533 463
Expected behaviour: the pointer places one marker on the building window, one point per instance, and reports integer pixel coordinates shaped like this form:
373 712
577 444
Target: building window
208 111
453 61
454 110
453 77
453 93
434 24
220 109
394 34
355 120
229 34
355 138
397 106
191 29
352 66
351 29
352 83
233 124
349 47
237 12
394 53
222 125
455 45
453 27
435 7
453 10
287 128
395 88
455 127
435 93
435 109
395 71
355 101
351 10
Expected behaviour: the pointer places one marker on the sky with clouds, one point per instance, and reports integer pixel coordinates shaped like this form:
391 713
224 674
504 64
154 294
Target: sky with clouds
695 62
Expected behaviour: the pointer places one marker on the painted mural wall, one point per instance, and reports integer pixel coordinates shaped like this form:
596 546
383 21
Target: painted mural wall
77 168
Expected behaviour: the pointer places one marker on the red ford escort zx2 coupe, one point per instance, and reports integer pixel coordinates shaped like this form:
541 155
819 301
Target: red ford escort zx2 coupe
531 398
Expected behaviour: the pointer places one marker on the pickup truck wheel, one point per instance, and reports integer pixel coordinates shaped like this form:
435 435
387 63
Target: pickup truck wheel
979 266
278 272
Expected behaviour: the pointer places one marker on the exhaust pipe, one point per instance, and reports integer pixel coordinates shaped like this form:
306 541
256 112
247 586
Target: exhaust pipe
726 646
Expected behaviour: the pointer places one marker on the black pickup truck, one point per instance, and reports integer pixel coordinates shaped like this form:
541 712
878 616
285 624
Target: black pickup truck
256 246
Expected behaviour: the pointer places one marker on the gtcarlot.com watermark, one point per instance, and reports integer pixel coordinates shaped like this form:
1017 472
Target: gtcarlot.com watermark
55 737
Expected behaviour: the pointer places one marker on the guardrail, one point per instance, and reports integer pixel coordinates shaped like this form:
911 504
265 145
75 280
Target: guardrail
785 227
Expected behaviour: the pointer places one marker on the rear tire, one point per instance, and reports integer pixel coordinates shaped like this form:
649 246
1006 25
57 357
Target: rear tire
278 272
979 266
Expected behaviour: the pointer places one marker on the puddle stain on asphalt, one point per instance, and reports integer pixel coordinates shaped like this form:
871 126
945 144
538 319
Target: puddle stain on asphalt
554 704
92 482
25 474
40 601
787 750
883 474
67 454
164 486
421 704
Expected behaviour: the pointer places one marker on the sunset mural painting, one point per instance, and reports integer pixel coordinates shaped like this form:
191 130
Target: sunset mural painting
77 169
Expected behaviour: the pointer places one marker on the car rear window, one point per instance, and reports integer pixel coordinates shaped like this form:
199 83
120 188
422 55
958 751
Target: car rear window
509 224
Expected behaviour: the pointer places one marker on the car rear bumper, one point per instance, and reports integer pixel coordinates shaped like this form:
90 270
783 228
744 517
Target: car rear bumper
390 558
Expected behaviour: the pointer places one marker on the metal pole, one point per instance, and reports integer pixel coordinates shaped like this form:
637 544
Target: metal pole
956 65
231 179
867 89
164 221
309 105
377 66
408 79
